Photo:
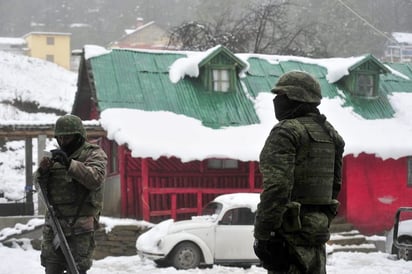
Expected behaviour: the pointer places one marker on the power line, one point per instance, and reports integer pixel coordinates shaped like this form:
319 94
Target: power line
367 22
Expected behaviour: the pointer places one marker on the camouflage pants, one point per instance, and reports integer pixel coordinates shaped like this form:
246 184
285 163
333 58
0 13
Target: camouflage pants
293 269
304 260
82 247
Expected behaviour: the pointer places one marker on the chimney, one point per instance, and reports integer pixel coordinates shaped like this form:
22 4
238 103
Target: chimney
139 22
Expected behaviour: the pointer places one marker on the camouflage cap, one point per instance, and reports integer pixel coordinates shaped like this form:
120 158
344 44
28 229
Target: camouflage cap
69 124
299 86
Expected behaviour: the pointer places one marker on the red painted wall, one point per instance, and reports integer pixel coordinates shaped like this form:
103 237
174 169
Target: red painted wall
154 190
373 190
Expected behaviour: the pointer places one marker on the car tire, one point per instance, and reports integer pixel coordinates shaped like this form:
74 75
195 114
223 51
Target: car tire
185 255
162 263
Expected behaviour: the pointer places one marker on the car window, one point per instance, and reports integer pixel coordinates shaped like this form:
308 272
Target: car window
212 208
238 216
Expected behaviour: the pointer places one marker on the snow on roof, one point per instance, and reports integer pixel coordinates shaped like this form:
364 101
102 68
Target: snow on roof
94 51
130 31
47 33
336 67
12 41
169 134
239 200
403 37
188 66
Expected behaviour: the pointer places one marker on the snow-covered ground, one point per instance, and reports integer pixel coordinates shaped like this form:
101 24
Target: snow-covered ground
338 262
20 260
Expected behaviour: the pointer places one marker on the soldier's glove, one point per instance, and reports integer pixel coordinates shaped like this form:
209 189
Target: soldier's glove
273 254
61 157
44 165
262 251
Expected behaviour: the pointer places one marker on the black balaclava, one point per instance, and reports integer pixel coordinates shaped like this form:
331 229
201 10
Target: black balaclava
286 108
75 144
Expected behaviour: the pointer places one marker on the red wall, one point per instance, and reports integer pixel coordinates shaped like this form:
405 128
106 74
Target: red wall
373 190
154 190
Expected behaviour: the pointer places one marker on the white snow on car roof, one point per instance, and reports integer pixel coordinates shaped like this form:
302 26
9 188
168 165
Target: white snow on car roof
239 199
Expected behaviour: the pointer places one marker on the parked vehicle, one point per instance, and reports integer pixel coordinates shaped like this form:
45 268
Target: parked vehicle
222 235
399 238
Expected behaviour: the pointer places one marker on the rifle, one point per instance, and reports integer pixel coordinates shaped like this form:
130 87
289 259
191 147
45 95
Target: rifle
59 238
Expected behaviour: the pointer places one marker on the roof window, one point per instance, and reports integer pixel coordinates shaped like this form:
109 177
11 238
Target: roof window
366 85
221 80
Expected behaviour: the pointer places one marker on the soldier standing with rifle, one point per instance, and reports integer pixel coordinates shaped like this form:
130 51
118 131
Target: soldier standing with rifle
71 182
301 164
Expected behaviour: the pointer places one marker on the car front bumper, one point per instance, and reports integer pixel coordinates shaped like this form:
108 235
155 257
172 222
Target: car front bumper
150 255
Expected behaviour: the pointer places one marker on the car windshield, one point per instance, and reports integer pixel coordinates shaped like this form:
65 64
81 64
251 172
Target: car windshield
212 209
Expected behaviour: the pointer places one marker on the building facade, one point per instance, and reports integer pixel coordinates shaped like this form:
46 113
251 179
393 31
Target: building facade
50 46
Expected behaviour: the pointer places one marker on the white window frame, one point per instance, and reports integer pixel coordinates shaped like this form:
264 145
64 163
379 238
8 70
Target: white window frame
221 80
365 86
222 164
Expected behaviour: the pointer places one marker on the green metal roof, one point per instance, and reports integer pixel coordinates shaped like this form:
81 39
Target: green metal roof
263 75
140 80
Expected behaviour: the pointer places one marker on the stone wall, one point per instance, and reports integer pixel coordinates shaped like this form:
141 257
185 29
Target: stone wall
120 241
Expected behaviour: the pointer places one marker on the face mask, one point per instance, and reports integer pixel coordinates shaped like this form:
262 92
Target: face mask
284 107
71 146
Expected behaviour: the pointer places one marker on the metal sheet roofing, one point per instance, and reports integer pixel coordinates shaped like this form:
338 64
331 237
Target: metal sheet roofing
140 80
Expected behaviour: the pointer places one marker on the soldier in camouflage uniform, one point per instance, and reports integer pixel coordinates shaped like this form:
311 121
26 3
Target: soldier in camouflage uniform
74 181
301 164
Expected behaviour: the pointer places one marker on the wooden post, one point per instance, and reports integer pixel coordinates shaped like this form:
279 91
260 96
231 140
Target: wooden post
199 202
29 176
145 189
252 176
123 181
41 146
174 206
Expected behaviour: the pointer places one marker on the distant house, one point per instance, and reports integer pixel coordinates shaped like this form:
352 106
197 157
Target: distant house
399 49
143 36
158 171
13 45
50 46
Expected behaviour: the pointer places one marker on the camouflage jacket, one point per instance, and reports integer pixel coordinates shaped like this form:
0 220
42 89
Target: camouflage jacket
277 165
77 193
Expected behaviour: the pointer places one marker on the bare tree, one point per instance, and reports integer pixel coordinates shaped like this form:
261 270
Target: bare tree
263 29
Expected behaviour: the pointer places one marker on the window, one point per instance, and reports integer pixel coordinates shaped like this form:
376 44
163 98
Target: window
365 85
221 80
409 168
50 40
222 163
407 52
238 216
212 208
50 57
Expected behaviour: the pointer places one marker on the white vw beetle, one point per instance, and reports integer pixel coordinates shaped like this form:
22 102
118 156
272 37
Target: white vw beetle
222 235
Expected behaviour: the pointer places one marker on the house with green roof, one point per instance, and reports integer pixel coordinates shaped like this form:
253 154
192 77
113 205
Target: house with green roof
184 127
